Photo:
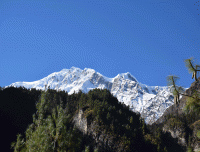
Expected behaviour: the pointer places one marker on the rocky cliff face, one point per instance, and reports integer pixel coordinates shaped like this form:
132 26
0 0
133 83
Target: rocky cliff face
80 121
178 108
195 143
100 139
176 130
179 132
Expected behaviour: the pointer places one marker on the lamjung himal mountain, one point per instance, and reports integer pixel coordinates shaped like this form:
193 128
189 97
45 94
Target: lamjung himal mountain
150 101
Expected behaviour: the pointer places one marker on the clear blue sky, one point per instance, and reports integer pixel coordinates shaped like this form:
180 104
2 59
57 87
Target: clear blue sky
148 38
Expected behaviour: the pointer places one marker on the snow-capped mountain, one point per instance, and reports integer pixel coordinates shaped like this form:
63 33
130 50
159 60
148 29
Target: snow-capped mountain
150 101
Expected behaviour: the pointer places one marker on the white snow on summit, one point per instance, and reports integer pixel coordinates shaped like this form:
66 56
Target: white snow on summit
149 101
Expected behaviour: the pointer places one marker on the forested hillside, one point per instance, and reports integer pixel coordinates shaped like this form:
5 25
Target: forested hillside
51 127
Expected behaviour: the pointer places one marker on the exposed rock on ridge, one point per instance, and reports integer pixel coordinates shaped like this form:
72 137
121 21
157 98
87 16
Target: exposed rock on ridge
178 108
101 140
179 132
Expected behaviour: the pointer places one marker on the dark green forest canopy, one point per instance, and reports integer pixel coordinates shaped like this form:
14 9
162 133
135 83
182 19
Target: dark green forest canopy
113 117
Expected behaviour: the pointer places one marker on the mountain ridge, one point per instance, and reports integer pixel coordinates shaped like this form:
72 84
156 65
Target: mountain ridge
150 101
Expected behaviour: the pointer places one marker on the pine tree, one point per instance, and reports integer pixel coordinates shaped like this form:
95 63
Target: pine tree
19 145
192 68
131 120
174 89
108 116
143 127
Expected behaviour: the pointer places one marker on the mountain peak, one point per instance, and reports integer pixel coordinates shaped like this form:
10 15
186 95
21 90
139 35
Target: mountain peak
127 76
89 70
72 69
75 69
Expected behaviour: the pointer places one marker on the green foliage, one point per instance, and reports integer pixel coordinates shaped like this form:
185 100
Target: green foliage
192 68
189 143
131 120
192 104
89 112
120 111
198 134
190 65
96 150
158 133
87 149
19 145
190 149
174 89
171 80
144 128
158 148
50 132
108 116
